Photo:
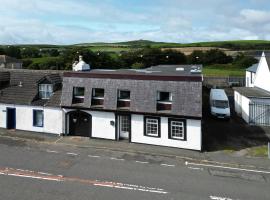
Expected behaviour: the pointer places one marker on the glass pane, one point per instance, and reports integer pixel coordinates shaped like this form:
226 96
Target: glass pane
164 96
98 92
124 94
78 91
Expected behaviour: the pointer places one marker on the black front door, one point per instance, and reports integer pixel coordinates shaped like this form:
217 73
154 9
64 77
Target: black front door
11 118
79 124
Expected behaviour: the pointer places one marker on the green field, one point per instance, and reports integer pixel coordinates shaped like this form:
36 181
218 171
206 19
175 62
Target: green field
223 70
116 49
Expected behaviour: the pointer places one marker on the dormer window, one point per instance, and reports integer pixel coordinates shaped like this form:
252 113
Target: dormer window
45 91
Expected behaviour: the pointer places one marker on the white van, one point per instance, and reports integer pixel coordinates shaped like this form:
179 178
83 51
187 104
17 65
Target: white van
219 104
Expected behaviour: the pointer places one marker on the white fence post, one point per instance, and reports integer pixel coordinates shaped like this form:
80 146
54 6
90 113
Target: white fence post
269 150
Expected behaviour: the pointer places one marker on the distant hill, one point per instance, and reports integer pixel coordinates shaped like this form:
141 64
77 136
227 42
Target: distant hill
232 45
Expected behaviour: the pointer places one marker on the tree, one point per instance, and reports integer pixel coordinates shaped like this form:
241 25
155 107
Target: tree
30 52
244 61
196 57
13 51
216 56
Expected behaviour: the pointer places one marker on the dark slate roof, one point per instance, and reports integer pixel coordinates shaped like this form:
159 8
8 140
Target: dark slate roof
52 78
8 59
252 92
23 88
253 68
187 95
160 72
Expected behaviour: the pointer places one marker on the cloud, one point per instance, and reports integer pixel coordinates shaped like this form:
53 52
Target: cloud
70 21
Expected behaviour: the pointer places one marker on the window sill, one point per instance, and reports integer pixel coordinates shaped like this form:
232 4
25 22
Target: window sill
154 136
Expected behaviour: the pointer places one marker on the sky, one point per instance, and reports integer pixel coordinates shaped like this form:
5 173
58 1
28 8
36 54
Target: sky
181 21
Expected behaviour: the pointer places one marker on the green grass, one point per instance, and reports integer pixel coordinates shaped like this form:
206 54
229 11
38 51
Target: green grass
223 70
261 151
108 49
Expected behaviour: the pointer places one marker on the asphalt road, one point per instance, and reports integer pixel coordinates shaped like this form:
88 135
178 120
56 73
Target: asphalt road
39 171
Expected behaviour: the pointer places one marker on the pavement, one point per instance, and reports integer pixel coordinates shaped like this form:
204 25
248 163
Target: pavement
216 157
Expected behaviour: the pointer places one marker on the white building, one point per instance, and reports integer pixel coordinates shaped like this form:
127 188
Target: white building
160 105
251 102
30 101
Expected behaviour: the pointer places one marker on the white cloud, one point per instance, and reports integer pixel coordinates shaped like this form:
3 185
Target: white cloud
70 21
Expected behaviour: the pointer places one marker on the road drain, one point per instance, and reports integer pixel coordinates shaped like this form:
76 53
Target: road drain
240 175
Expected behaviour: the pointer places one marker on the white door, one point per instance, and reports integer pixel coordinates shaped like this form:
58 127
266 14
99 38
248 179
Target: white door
123 126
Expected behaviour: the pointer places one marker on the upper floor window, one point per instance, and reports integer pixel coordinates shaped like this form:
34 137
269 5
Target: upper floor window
164 101
123 95
98 93
164 96
78 94
97 97
45 91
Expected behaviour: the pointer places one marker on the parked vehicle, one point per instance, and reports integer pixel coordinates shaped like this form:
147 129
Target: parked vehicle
219 104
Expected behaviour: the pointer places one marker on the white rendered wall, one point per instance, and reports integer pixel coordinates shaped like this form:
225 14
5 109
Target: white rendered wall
101 126
193 134
24 119
262 79
237 103
101 123
245 108
249 77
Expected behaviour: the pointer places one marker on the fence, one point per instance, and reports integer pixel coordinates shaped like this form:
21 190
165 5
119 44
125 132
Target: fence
259 114
229 81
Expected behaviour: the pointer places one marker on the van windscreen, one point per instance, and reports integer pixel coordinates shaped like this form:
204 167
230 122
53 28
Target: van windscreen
220 104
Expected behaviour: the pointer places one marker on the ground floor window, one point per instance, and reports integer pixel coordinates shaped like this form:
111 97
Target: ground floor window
152 126
38 118
177 129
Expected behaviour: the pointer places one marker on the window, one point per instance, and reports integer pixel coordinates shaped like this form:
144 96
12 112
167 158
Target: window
220 104
97 93
78 95
251 78
177 129
164 96
123 95
164 101
38 118
97 97
45 91
152 126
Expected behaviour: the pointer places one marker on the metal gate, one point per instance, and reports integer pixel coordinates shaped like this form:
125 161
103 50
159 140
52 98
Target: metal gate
259 114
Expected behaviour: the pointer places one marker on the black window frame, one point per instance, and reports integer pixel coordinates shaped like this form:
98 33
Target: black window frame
34 118
170 120
145 126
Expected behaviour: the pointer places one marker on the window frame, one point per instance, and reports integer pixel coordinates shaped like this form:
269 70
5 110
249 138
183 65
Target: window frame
78 96
162 101
94 93
184 121
158 126
34 118
45 91
121 99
